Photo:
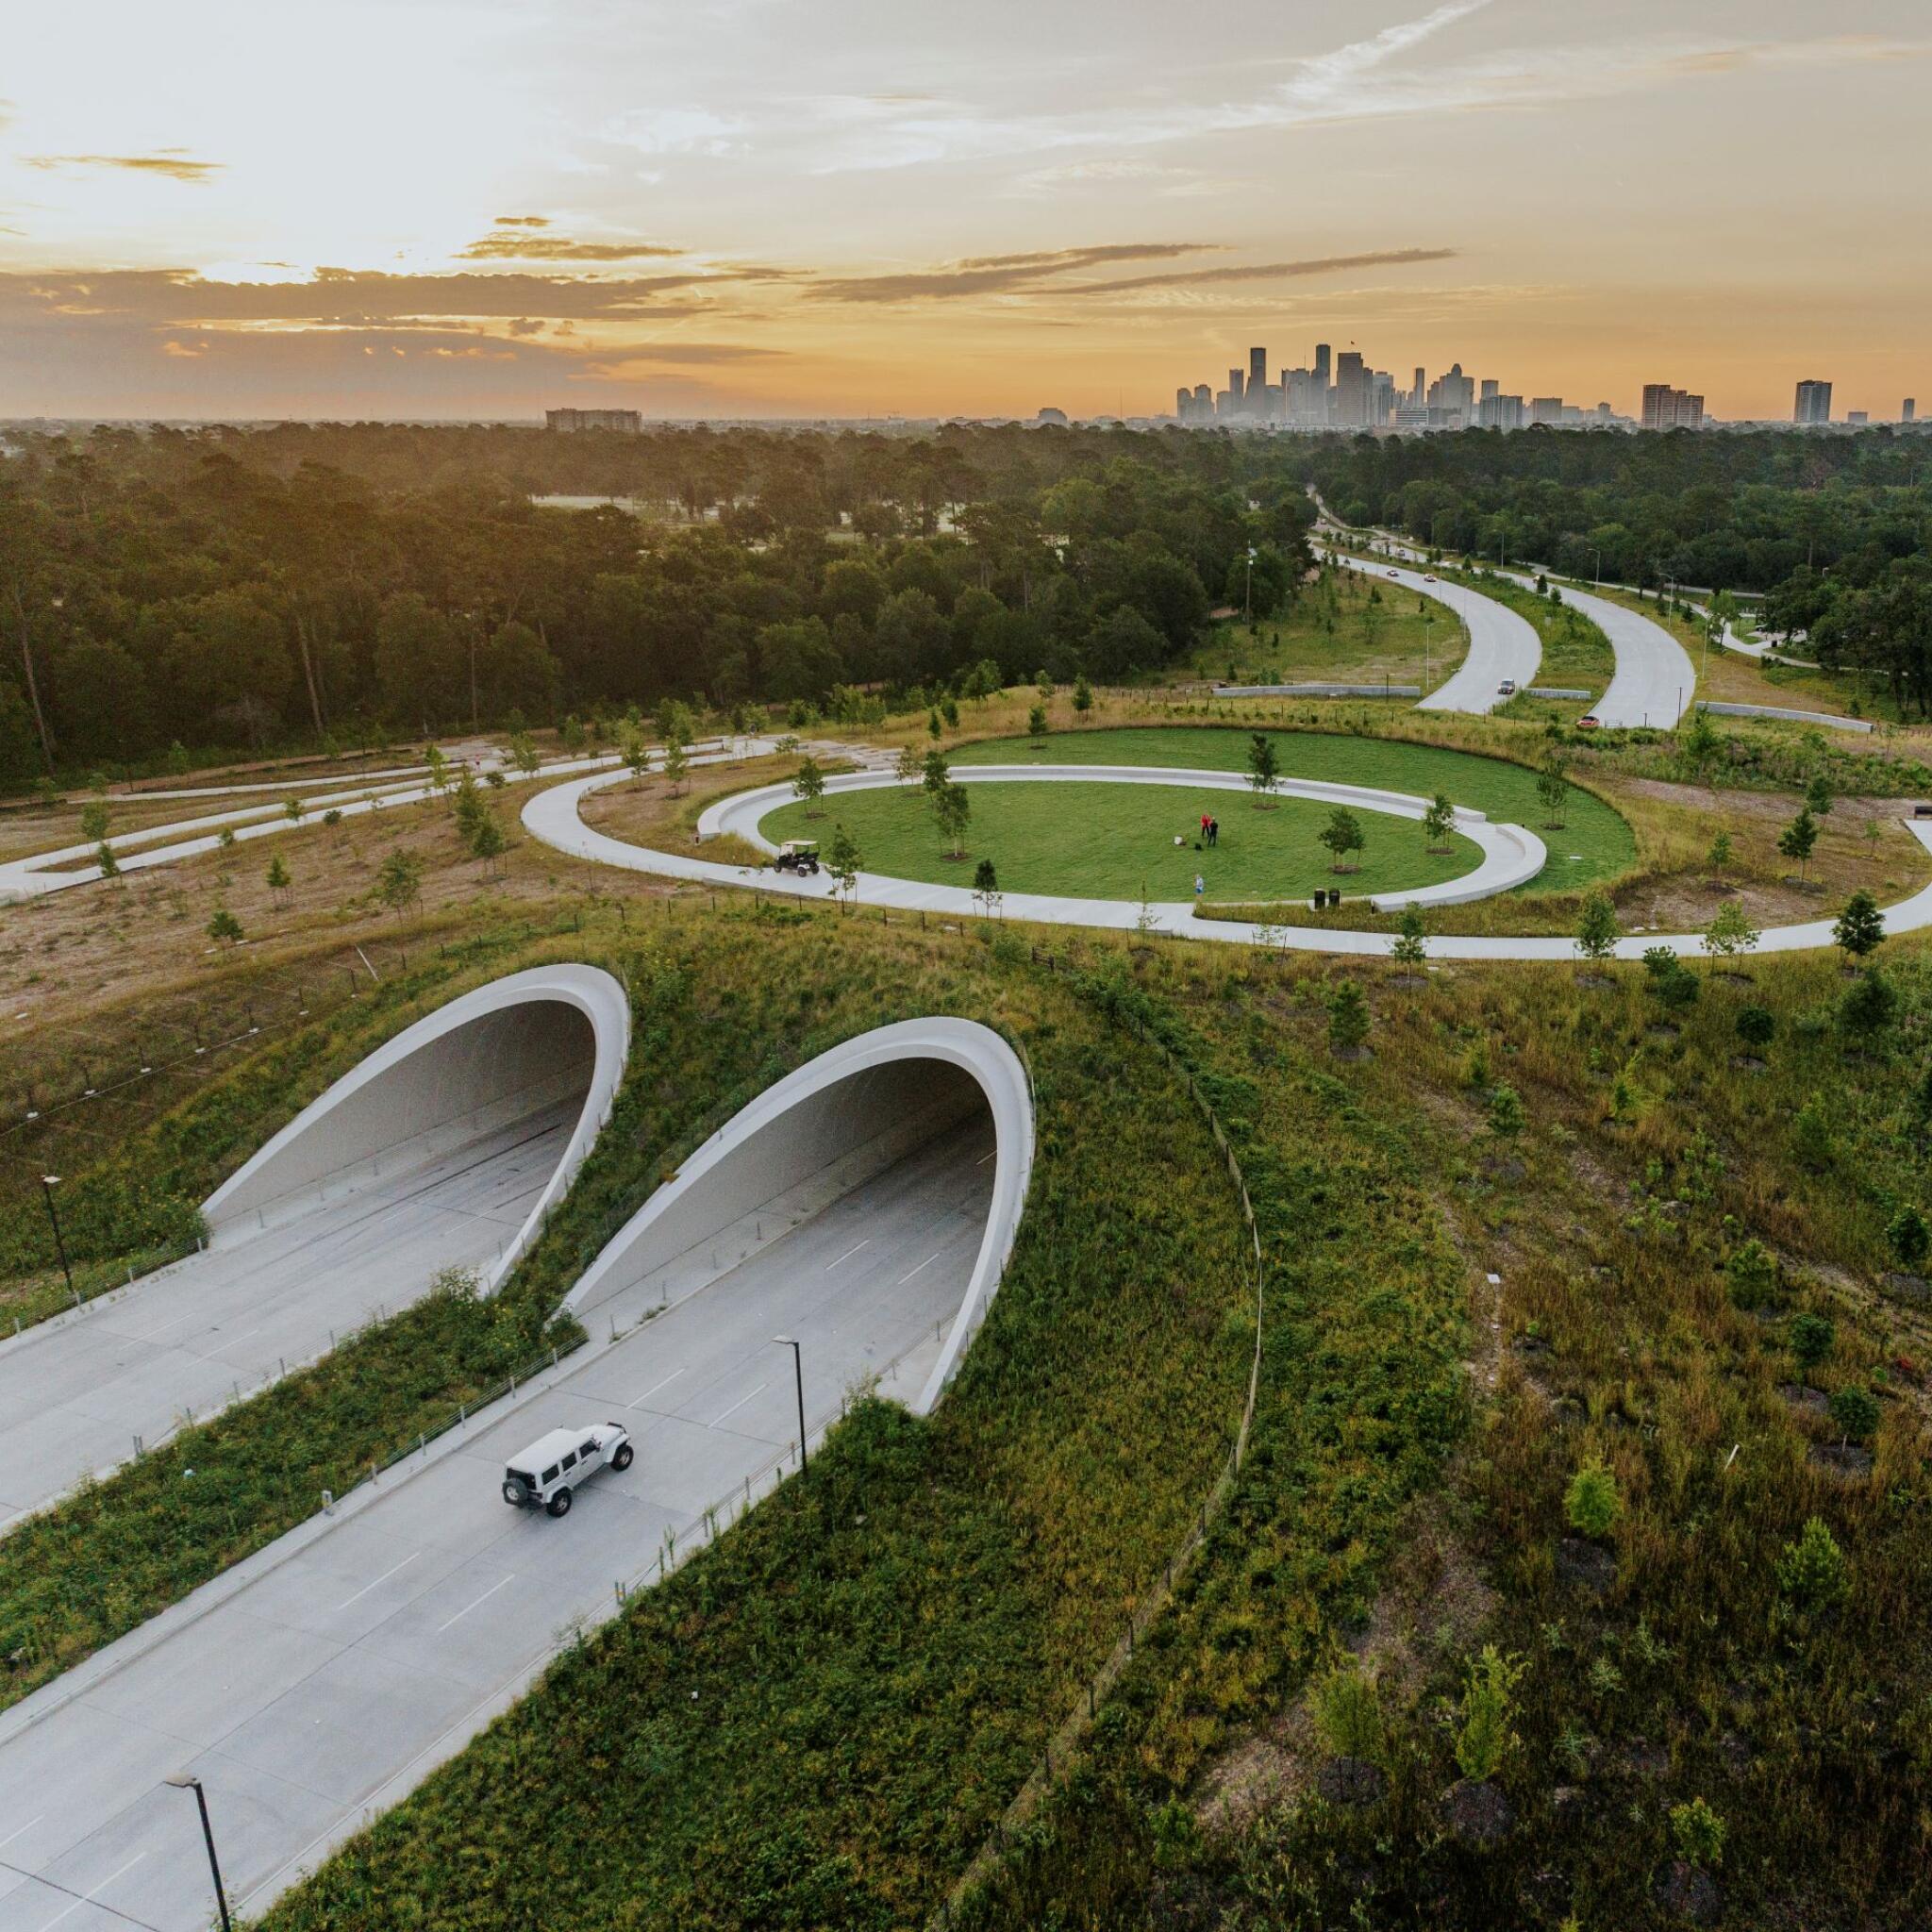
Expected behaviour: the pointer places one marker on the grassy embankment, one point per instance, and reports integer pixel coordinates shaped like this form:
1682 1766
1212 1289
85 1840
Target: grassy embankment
1675 1654
1342 626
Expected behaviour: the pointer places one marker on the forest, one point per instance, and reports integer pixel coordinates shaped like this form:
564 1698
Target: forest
171 594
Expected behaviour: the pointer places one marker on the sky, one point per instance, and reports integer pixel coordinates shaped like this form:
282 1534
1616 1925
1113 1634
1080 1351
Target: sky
430 208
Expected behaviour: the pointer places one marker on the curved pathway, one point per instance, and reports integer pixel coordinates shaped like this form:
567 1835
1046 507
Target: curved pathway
1502 644
1655 680
552 817
1512 855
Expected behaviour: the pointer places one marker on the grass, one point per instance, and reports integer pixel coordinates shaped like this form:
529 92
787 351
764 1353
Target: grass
1117 841
1599 837
1343 627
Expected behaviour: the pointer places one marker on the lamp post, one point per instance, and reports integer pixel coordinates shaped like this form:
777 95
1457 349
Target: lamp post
1598 566
798 1374
48 1183
1248 596
186 1781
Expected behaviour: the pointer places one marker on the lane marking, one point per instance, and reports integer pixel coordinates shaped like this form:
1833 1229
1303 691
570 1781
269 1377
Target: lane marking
924 1264
383 1578
22 1832
848 1253
656 1385
483 1599
739 1403
88 1898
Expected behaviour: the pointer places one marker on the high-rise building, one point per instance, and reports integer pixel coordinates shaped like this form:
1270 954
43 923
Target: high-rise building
1352 392
1500 412
1258 371
1322 364
1813 405
1490 387
1451 400
1859 418
1548 411
1665 408
1908 409
1381 399
1418 396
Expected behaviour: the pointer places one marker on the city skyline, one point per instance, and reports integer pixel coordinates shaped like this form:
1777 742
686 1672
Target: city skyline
829 210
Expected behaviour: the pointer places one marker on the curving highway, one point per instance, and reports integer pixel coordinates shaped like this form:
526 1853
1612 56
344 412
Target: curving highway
1502 645
1655 681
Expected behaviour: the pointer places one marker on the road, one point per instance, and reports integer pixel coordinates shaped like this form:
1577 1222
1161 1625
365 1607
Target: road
1502 645
339 1672
1655 680
75 1392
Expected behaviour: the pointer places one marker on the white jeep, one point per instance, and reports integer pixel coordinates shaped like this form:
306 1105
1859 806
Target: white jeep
547 1472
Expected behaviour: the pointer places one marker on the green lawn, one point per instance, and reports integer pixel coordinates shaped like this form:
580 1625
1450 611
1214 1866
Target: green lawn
1102 841
1593 844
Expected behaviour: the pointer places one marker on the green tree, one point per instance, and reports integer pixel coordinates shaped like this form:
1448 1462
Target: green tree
844 861
953 808
1812 1573
1870 1005
1856 1411
103 857
1439 824
1818 795
1347 1709
1264 767
1036 725
1596 927
634 751
1342 836
1699 1834
93 821
1860 926
225 928
1508 1118
1411 941
676 763
906 768
399 880
1813 1338
808 785
936 774
986 887
1348 1018
277 878
1485 1712
1719 857
1799 839
1730 931
1812 1136
1750 1271
1083 694
292 809
1591 1503
935 730
522 752
1551 790
487 842
1700 742
1756 1026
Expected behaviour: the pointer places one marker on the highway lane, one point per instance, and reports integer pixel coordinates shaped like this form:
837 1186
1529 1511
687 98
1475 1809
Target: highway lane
1655 682
336 1676
75 1392
1502 645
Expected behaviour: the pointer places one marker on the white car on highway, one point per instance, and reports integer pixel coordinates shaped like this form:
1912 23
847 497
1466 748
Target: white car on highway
554 1465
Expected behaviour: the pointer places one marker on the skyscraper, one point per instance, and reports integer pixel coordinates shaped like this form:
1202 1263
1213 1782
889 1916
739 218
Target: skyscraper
1322 363
1665 408
1418 396
1258 371
1908 410
1351 388
1813 406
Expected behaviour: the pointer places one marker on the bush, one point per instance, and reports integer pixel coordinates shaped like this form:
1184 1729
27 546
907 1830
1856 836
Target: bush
1870 1005
1699 1833
1506 1116
1348 1016
1483 1736
1592 1502
1811 1139
1348 1711
1752 1272
1856 1412
1813 1338
1756 1026
1812 1573
1909 1238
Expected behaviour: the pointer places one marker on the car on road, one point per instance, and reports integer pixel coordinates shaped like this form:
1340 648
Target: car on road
1507 688
543 1476
1428 577
800 856
1589 722
1394 572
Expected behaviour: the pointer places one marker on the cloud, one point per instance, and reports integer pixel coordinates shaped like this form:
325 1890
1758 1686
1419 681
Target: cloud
172 162
675 131
517 242
1266 271
994 274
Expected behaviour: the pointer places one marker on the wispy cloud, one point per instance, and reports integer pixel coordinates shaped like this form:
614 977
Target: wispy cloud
172 162
1267 271
523 241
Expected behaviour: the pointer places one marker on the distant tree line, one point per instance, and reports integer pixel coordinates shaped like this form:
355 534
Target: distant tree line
246 590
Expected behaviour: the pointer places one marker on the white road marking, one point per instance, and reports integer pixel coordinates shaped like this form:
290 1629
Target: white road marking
483 1599
740 1402
656 1385
23 1831
383 1578
88 1898
922 1266
848 1253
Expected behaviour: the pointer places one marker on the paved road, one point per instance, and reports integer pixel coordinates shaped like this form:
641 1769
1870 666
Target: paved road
1655 680
552 816
351 1661
75 1392
1502 645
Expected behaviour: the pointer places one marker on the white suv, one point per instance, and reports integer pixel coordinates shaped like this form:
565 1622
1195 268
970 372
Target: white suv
547 1472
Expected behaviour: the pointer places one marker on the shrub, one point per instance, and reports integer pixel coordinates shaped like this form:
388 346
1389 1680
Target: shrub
1812 1573
1596 927
1811 1139
1592 1502
1752 1272
1870 1005
1909 1238
1506 1116
1348 1016
1348 1711
1856 1412
1813 1338
1483 1736
1756 1026
1699 1833
1860 926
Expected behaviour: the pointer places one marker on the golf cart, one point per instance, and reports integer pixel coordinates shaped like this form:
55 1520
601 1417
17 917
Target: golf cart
798 855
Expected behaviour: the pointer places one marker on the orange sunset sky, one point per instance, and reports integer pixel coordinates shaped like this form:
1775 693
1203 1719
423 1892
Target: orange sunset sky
805 207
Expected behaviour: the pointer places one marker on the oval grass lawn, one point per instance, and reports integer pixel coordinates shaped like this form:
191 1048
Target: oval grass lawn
1593 844
1102 841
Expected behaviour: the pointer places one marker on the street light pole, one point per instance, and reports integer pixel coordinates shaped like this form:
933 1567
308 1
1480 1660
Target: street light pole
48 1183
798 1374
186 1781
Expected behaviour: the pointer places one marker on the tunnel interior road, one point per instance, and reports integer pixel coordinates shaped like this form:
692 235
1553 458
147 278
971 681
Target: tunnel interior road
337 1677
437 1151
